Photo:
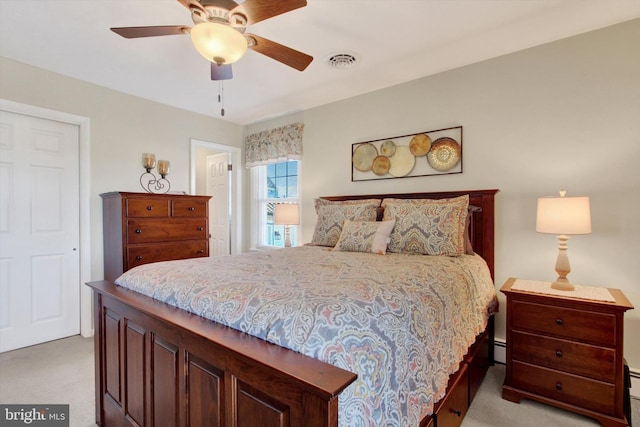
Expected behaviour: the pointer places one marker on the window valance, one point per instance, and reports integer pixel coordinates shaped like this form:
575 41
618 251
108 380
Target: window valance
274 145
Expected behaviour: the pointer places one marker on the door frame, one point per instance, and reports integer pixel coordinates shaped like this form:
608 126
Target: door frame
236 186
84 158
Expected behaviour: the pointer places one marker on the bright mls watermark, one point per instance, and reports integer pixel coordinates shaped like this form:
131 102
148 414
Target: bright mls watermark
34 415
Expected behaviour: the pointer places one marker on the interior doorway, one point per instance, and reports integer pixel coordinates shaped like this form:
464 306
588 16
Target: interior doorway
200 151
217 186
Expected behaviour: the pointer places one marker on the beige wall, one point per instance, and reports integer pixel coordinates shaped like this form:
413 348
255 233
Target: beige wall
562 115
122 127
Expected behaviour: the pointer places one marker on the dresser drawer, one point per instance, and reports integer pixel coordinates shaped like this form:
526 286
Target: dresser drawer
189 208
568 356
580 325
145 254
147 208
156 230
575 390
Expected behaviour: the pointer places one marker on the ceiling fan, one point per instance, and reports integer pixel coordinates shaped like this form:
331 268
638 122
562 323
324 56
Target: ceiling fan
219 33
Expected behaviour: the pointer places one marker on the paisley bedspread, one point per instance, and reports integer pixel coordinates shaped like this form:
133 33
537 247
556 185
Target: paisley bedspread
402 323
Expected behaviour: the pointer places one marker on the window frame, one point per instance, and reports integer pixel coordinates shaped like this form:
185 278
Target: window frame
260 200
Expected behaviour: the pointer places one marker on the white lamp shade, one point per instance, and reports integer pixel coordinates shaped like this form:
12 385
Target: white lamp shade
286 214
563 215
218 43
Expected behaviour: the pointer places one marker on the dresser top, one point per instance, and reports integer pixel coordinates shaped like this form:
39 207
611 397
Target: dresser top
146 195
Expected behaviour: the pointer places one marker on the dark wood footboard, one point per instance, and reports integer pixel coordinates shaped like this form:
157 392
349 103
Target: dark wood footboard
157 365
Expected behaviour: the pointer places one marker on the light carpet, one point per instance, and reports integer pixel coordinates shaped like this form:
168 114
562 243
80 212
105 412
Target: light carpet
62 371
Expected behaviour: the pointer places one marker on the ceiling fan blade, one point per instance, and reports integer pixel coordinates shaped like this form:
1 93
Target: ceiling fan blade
221 72
259 10
281 53
225 4
189 4
136 32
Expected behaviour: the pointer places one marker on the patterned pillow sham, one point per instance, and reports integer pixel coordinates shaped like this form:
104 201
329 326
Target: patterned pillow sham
426 226
332 214
365 236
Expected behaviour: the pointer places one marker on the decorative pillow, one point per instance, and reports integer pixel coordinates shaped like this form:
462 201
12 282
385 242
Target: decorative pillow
332 214
427 227
365 236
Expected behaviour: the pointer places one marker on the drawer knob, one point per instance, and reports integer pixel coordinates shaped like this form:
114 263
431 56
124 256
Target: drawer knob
200 251
139 257
458 413
191 208
138 231
559 386
559 321
200 228
149 208
559 353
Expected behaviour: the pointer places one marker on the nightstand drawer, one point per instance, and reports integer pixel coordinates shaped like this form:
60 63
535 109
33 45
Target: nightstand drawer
572 389
568 356
579 325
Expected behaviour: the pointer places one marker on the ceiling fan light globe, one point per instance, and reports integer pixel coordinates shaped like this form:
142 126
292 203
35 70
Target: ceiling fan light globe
218 43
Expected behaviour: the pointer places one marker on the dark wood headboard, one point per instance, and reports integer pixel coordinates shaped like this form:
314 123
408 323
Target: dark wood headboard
482 231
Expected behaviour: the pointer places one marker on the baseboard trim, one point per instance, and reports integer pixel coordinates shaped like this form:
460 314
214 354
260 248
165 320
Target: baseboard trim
500 356
500 351
635 383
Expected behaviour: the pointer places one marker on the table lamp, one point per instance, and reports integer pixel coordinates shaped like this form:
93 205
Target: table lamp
286 214
563 216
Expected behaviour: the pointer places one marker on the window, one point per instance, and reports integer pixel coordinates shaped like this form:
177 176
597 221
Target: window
275 183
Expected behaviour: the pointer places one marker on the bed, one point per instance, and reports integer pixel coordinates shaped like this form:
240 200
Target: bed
161 363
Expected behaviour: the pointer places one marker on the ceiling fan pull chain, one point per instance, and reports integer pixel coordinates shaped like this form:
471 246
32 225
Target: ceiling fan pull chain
221 97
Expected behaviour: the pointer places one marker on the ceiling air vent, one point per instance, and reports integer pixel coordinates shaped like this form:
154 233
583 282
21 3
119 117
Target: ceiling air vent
342 60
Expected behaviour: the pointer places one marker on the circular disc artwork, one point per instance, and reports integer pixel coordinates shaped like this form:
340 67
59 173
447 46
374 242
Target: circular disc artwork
381 165
402 162
363 157
388 148
420 145
444 154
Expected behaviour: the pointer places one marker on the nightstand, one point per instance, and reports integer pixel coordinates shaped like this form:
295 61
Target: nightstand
566 352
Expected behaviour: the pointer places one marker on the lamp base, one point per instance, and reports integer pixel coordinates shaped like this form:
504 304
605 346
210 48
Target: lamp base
562 266
287 237
562 285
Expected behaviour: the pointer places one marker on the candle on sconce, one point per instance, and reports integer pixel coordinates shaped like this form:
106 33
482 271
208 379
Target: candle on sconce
163 167
148 180
148 161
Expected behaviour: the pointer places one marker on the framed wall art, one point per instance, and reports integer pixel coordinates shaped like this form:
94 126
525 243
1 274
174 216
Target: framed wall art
433 152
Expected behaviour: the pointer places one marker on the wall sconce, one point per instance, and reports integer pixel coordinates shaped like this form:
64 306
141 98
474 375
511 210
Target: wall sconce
561 216
148 180
286 214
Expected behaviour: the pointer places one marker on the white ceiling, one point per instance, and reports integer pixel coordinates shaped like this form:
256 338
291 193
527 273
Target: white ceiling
395 40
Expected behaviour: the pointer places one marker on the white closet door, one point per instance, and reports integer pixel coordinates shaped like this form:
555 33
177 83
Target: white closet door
39 230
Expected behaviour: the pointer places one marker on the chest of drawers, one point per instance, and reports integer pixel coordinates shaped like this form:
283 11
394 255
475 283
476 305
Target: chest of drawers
141 228
566 352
